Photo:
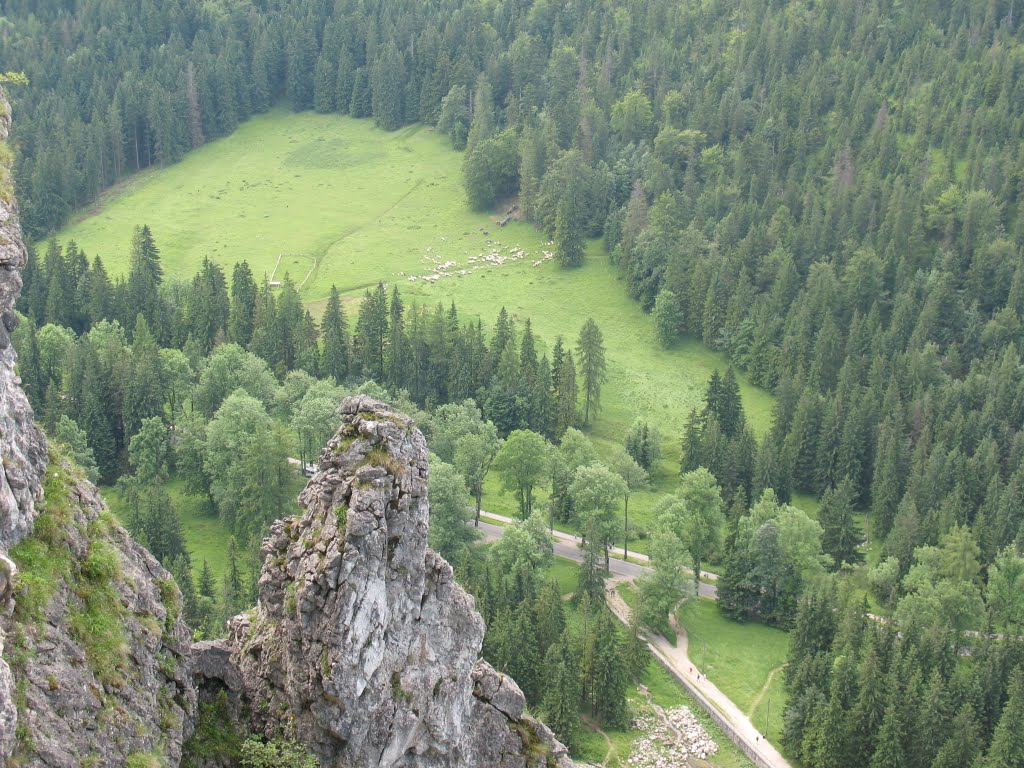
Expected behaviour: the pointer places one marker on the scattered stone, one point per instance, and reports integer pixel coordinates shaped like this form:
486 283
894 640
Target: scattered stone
670 744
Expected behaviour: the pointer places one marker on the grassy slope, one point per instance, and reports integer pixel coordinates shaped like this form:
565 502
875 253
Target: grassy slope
205 535
364 205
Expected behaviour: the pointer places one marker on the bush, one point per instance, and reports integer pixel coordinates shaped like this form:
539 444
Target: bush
277 753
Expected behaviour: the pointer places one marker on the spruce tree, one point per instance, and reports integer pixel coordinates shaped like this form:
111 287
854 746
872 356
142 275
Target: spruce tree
143 392
241 318
891 751
963 744
181 569
562 694
1007 747
334 356
398 346
206 586
593 366
550 617
611 673
99 294
566 396
841 535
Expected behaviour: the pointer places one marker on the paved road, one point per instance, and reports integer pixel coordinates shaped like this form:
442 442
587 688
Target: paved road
689 673
568 546
616 552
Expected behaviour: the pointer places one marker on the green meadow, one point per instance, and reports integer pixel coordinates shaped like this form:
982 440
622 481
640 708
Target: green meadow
745 661
333 200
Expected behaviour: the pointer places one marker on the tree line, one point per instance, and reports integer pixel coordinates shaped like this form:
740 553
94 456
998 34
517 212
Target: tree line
218 384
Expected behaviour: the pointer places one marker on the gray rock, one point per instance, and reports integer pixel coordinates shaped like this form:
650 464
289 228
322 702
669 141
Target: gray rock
147 701
22 445
362 645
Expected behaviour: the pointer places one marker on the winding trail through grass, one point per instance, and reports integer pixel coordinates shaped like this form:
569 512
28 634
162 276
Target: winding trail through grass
592 725
764 689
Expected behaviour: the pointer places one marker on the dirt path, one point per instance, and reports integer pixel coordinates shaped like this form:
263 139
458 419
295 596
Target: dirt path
592 725
763 691
276 265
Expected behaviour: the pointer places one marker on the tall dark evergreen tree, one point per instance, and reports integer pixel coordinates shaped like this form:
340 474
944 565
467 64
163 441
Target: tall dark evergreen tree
593 366
334 353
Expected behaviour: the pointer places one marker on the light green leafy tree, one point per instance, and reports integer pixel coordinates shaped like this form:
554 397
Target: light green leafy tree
521 464
596 491
450 511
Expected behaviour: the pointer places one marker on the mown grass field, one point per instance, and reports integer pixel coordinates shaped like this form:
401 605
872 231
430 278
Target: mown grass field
341 202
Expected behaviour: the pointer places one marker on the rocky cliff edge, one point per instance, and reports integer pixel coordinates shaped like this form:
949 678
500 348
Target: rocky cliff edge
362 645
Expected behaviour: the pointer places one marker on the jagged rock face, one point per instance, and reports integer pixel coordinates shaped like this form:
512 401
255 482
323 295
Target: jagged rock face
22 445
362 644
88 698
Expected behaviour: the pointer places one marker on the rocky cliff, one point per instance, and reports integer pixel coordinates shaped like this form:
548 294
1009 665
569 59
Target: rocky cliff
94 660
22 445
362 645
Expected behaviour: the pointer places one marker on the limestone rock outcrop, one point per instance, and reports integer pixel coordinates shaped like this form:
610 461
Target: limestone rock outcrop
362 645
100 656
22 445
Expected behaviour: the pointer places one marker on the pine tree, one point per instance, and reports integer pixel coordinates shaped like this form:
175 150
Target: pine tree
569 243
95 418
145 275
398 348
1007 747
387 81
372 333
524 666
865 720
566 396
562 694
722 400
232 588
611 674
99 294
143 393
242 315
206 580
892 739
963 745
550 617
181 569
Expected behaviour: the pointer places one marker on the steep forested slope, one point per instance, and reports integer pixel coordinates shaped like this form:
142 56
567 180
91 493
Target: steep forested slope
829 192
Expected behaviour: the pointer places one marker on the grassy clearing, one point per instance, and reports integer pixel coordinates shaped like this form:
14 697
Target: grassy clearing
666 693
565 572
663 689
739 658
206 537
344 203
